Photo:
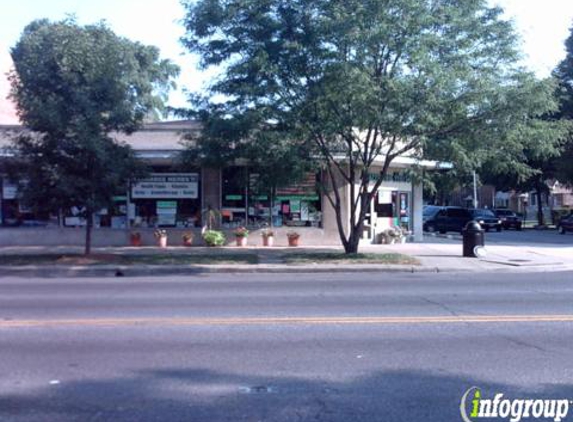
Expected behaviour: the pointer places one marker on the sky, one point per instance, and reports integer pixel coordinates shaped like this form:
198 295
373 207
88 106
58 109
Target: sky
543 26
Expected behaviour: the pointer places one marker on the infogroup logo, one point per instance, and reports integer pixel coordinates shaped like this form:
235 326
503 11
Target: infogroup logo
474 406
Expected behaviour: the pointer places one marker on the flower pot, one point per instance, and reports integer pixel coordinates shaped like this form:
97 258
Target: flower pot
241 241
187 242
135 241
268 240
293 241
162 241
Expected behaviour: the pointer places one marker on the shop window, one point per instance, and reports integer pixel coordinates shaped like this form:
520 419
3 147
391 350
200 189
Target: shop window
298 204
259 202
114 216
234 200
14 212
166 200
246 202
384 205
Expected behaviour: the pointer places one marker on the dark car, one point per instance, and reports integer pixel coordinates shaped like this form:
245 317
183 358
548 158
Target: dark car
509 219
486 219
448 219
454 219
430 212
566 224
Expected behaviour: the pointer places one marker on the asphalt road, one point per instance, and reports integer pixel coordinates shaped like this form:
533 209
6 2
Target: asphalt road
388 347
530 237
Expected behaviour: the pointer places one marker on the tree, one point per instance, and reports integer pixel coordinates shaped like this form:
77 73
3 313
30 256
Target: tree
564 74
73 87
531 138
362 81
539 143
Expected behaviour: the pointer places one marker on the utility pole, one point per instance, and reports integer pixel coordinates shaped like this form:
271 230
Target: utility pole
475 191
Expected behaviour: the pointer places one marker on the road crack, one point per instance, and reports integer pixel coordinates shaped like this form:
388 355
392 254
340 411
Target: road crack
445 307
524 344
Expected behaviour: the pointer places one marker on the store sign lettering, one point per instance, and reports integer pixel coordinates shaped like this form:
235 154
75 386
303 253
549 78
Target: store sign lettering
167 185
391 177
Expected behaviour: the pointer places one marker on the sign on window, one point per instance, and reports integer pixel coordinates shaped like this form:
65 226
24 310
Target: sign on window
167 185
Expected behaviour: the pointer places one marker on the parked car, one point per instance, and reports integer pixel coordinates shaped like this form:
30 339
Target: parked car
487 219
509 219
454 219
566 224
430 212
448 219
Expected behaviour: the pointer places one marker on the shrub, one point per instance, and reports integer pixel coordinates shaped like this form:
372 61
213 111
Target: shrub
159 233
293 235
241 232
214 238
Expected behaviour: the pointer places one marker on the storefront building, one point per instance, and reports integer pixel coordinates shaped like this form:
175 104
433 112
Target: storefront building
184 200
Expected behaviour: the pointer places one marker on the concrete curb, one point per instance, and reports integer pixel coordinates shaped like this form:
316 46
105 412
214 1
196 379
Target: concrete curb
52 271
55 271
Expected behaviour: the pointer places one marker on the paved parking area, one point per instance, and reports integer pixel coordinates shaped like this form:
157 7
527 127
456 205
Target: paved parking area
530 237
527 248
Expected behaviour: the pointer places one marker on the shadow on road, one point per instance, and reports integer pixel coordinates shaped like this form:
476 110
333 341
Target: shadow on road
189 395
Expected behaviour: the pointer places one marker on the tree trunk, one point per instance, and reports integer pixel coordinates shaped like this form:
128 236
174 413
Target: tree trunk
272 205
89 224
540 219
351 247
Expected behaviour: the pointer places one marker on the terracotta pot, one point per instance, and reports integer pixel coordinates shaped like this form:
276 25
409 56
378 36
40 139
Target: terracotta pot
162 241
241 241
293 241
187 242
135 241
268 240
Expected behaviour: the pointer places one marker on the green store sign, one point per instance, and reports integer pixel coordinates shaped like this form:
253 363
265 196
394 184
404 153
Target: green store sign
297 198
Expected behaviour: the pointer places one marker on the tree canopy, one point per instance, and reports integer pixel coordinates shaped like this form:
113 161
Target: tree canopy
73 87
365 82
564 74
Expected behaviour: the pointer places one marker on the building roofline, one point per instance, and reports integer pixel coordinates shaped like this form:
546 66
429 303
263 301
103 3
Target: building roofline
154 126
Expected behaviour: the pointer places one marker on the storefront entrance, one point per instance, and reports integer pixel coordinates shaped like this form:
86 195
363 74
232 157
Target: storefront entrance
389 208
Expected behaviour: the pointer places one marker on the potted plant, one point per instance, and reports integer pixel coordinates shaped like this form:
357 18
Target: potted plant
214 238
394 235
404 234
241 234
293 238
135 239
161 236
268 237
389 236
187 238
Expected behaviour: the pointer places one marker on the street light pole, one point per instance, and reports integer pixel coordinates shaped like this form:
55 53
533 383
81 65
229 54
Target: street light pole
475 191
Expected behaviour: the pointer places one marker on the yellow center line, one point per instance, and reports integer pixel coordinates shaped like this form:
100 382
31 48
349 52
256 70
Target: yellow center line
382 320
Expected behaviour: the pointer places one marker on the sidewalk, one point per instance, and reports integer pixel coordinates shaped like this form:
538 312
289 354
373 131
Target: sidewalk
434 255
446 255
